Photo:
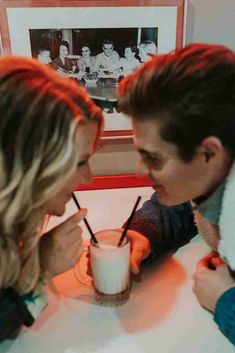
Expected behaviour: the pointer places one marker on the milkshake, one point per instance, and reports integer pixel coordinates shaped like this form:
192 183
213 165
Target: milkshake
110 267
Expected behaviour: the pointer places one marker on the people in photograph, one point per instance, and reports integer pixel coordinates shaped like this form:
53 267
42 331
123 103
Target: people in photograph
147 49
55 127
44 56
182 109
55 38
62 63
107 66
86 63
129 63
107 62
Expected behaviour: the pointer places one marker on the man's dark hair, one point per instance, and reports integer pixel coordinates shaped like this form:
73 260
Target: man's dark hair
108 41
190 92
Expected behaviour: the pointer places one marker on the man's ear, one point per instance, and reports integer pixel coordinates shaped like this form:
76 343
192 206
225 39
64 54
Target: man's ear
211 147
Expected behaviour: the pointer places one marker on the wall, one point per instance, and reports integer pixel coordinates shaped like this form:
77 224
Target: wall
211 21
115 157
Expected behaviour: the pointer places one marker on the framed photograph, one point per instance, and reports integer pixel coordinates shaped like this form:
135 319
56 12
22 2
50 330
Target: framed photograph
1 50
95 42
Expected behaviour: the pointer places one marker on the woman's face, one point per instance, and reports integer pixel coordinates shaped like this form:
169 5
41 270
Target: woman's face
129 54
86 140
86 52
142 51
63 51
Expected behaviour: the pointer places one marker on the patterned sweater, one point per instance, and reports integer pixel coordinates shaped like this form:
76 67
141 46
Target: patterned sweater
168 228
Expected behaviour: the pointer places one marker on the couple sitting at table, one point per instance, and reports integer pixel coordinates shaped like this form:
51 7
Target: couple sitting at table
56 130
104 64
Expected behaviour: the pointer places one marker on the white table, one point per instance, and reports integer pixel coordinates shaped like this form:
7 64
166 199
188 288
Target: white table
162 314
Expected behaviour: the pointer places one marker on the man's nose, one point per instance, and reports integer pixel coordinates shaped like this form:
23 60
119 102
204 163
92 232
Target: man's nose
141 168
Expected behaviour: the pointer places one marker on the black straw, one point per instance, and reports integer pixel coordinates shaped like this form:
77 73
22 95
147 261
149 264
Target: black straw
84 219
129 221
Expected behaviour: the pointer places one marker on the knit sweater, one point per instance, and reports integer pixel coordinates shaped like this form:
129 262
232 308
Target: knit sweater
215 219
168 228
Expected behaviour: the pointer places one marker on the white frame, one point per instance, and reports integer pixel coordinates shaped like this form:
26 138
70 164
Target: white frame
1 47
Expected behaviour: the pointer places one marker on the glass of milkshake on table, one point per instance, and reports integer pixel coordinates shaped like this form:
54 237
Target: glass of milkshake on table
110 263
110 267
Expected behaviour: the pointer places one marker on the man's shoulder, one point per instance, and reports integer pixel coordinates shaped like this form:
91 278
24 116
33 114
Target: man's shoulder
115 54
100 55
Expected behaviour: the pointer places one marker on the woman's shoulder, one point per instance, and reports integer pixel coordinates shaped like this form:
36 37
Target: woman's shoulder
123 60
56 59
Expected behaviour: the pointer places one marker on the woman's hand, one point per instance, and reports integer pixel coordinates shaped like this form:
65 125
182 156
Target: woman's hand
211 280
61 247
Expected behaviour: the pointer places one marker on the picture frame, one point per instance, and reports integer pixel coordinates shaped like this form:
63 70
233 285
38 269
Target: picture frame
22 20
25 23
1 50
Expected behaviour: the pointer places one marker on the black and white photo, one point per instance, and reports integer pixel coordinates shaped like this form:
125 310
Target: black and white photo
78 43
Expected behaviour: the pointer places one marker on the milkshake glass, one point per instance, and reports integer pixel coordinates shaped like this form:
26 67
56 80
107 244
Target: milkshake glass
110 266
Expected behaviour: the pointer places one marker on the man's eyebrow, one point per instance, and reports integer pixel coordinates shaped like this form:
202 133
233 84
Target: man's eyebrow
148 153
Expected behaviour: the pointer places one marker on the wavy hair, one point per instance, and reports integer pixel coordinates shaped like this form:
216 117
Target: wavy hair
40 112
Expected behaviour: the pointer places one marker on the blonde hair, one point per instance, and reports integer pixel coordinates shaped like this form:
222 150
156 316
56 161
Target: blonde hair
40 112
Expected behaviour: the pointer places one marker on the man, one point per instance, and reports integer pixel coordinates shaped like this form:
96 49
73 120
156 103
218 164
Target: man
182 108
44 56
107 61
107 64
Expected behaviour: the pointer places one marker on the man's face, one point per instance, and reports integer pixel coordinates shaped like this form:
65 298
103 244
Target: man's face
174 180
44 57
108 49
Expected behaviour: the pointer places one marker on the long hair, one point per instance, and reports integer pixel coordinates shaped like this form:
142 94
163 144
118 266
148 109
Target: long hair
40 112
190 92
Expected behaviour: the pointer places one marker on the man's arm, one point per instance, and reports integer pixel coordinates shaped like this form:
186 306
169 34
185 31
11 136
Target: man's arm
98 62
166 228
214 287
225 314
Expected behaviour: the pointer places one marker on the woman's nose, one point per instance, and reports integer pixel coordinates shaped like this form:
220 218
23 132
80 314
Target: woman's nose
86 177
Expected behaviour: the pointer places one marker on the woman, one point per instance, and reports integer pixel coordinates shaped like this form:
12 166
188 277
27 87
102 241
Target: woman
86 63
62 63
147 49
49 128
129 63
